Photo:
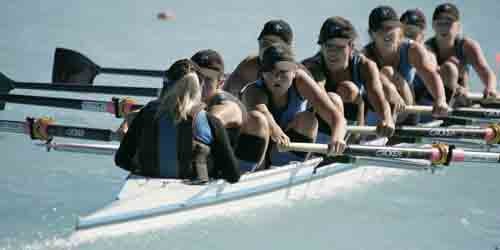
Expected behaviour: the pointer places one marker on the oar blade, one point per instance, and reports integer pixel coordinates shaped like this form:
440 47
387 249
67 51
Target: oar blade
73 67
6 85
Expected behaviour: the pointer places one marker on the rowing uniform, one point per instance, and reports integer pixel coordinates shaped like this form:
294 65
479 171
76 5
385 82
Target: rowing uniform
405 69
317 67
459 53
283 116
296 104
156 147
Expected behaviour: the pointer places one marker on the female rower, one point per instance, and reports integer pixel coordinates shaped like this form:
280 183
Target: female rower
174 137
339 68
274 31
399 59
450 46
414 26
281 95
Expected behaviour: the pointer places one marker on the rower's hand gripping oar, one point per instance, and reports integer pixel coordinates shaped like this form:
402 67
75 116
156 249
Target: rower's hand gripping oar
72 66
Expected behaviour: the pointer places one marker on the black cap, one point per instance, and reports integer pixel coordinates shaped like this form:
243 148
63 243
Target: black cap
381 16
447 9
278 56
336 27
209 59
414 17
177 70
278 28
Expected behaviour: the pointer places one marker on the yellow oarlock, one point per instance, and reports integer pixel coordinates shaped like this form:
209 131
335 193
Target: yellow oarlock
496 129
125 106
443 149
39 128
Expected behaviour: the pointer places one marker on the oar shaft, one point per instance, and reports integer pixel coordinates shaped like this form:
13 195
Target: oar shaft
85 105
115 90
371 151
459 112
17 127
133 72
81 148
411 131
25 127
82 133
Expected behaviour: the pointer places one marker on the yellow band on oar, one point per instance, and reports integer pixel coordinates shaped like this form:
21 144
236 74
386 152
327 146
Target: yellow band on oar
125 106
443 149
39 128
496 130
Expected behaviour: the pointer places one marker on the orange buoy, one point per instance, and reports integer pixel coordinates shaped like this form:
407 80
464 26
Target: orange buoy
166 16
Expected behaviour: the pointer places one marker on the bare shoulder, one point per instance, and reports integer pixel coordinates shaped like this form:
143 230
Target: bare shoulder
253 95
246 71
250 62
471 44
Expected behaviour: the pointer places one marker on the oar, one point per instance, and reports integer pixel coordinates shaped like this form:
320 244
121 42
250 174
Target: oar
98 149
478 113
72 66
439 154
7 84
490 135
479 97
45 129
117 106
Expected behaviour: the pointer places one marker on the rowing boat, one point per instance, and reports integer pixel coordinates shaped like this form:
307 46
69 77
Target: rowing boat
141 197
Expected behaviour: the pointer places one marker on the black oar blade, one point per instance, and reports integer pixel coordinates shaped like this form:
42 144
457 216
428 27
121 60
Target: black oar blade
73 67
6 85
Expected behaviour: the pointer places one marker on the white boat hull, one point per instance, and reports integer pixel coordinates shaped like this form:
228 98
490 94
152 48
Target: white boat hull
142 198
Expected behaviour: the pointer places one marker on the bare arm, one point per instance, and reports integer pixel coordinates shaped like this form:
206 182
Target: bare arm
428 71
319 99
228 113
374 89
256 99
474 53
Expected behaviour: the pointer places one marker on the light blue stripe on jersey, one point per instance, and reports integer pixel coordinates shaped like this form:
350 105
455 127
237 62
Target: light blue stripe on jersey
202 131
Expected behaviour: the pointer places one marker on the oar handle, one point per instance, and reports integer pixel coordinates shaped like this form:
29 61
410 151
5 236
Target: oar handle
418 109
479 97
133 72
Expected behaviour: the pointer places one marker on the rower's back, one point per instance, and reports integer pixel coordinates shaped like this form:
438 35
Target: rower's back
173 137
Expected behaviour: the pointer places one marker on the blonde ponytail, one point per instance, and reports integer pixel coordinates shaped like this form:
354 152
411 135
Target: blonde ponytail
181 98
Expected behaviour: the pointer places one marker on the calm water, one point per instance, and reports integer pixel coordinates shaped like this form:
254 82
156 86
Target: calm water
41 194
